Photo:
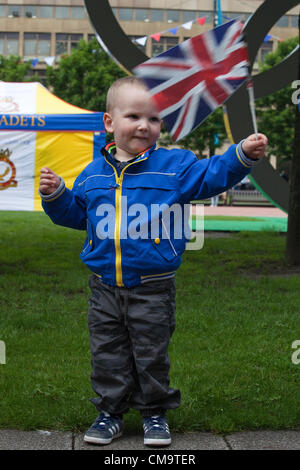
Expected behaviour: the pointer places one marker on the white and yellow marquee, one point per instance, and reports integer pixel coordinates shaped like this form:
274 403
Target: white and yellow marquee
39 129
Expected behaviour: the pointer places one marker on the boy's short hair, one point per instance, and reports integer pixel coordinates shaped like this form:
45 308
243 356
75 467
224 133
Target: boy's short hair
129 80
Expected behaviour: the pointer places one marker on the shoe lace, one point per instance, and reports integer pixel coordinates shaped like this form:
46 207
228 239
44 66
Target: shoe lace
102 420
157 422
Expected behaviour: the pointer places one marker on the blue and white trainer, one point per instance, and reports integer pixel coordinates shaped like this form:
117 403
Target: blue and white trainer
104 429
156 431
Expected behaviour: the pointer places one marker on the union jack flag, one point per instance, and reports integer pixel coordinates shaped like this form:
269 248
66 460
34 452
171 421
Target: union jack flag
189 81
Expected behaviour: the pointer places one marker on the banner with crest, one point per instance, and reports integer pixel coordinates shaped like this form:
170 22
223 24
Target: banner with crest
38 129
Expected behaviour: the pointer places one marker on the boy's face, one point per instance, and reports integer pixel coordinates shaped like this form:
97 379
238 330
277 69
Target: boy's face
134 121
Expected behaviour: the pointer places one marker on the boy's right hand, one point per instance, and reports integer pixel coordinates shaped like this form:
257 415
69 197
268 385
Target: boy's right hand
49 181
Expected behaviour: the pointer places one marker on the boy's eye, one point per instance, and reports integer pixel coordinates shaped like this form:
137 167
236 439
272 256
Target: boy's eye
133 116
154 119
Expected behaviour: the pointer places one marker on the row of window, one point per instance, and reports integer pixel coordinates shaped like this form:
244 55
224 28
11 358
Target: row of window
129 14
184 16
159 15
32 11
38 44
166 43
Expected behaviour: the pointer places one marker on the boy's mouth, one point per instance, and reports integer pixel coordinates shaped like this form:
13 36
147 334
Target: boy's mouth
142 140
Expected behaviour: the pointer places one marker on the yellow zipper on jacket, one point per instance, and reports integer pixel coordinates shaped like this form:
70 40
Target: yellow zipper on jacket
118 195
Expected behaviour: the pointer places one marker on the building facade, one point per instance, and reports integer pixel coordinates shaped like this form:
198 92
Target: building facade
44 29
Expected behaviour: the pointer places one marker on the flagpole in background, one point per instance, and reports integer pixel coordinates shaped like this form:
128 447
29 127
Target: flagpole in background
218 22
252 104
217 13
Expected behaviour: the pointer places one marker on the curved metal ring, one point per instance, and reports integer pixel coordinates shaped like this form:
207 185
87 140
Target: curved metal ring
238 109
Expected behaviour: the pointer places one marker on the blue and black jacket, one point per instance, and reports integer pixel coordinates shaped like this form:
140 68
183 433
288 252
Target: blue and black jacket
129 240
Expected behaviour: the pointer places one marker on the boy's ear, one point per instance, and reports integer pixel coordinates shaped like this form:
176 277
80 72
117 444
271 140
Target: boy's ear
108 122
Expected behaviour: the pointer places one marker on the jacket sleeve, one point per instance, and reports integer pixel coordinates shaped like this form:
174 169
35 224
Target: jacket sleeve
201 179
66 207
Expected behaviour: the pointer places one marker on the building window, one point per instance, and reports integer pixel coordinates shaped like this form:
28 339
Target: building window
295 21
163 44
46 12
264 50
188 15
157 15
74 40
65 43
9 43
61 44
62 13
14 11
43 46
142 14
234 15
125 14
37 45
30 11
2 11
77 13
208 15
173 16
283 22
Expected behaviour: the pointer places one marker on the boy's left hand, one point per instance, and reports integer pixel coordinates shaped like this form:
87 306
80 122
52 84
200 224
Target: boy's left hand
255 146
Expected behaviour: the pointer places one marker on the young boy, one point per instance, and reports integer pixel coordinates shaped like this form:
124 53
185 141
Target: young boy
133 259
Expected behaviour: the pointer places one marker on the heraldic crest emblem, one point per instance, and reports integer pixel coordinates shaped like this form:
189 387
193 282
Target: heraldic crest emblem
7 170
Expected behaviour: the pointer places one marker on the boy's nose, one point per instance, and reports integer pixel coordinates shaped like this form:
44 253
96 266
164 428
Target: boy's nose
143 124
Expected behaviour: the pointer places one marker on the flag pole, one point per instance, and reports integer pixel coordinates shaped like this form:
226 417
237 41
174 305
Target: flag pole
218 22
252 104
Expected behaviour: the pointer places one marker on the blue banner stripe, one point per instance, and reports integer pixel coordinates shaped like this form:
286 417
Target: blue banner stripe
92 122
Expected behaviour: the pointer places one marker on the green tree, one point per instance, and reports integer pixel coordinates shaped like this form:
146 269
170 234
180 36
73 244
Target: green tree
13 70
83 77
275 113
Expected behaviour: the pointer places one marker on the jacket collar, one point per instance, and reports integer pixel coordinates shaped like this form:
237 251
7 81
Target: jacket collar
109 149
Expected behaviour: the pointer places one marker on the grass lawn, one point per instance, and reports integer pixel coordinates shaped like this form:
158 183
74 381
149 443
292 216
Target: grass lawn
238 313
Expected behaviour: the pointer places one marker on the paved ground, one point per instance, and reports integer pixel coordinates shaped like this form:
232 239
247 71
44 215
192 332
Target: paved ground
238 218
245 211
253 440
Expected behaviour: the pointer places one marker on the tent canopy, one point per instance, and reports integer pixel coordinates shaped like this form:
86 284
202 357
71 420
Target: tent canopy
31 107
39 129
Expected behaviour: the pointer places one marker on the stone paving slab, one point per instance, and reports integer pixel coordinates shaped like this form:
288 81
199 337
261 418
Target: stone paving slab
245 211
34 440
55 440
187 441
264 440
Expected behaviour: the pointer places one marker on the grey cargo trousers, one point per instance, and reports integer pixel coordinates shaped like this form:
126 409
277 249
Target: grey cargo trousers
130 331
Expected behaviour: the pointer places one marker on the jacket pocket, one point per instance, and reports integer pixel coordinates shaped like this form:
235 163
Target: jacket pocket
165 248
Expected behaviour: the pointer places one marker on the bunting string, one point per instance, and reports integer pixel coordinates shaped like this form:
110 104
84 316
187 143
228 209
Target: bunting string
156 36
188 26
